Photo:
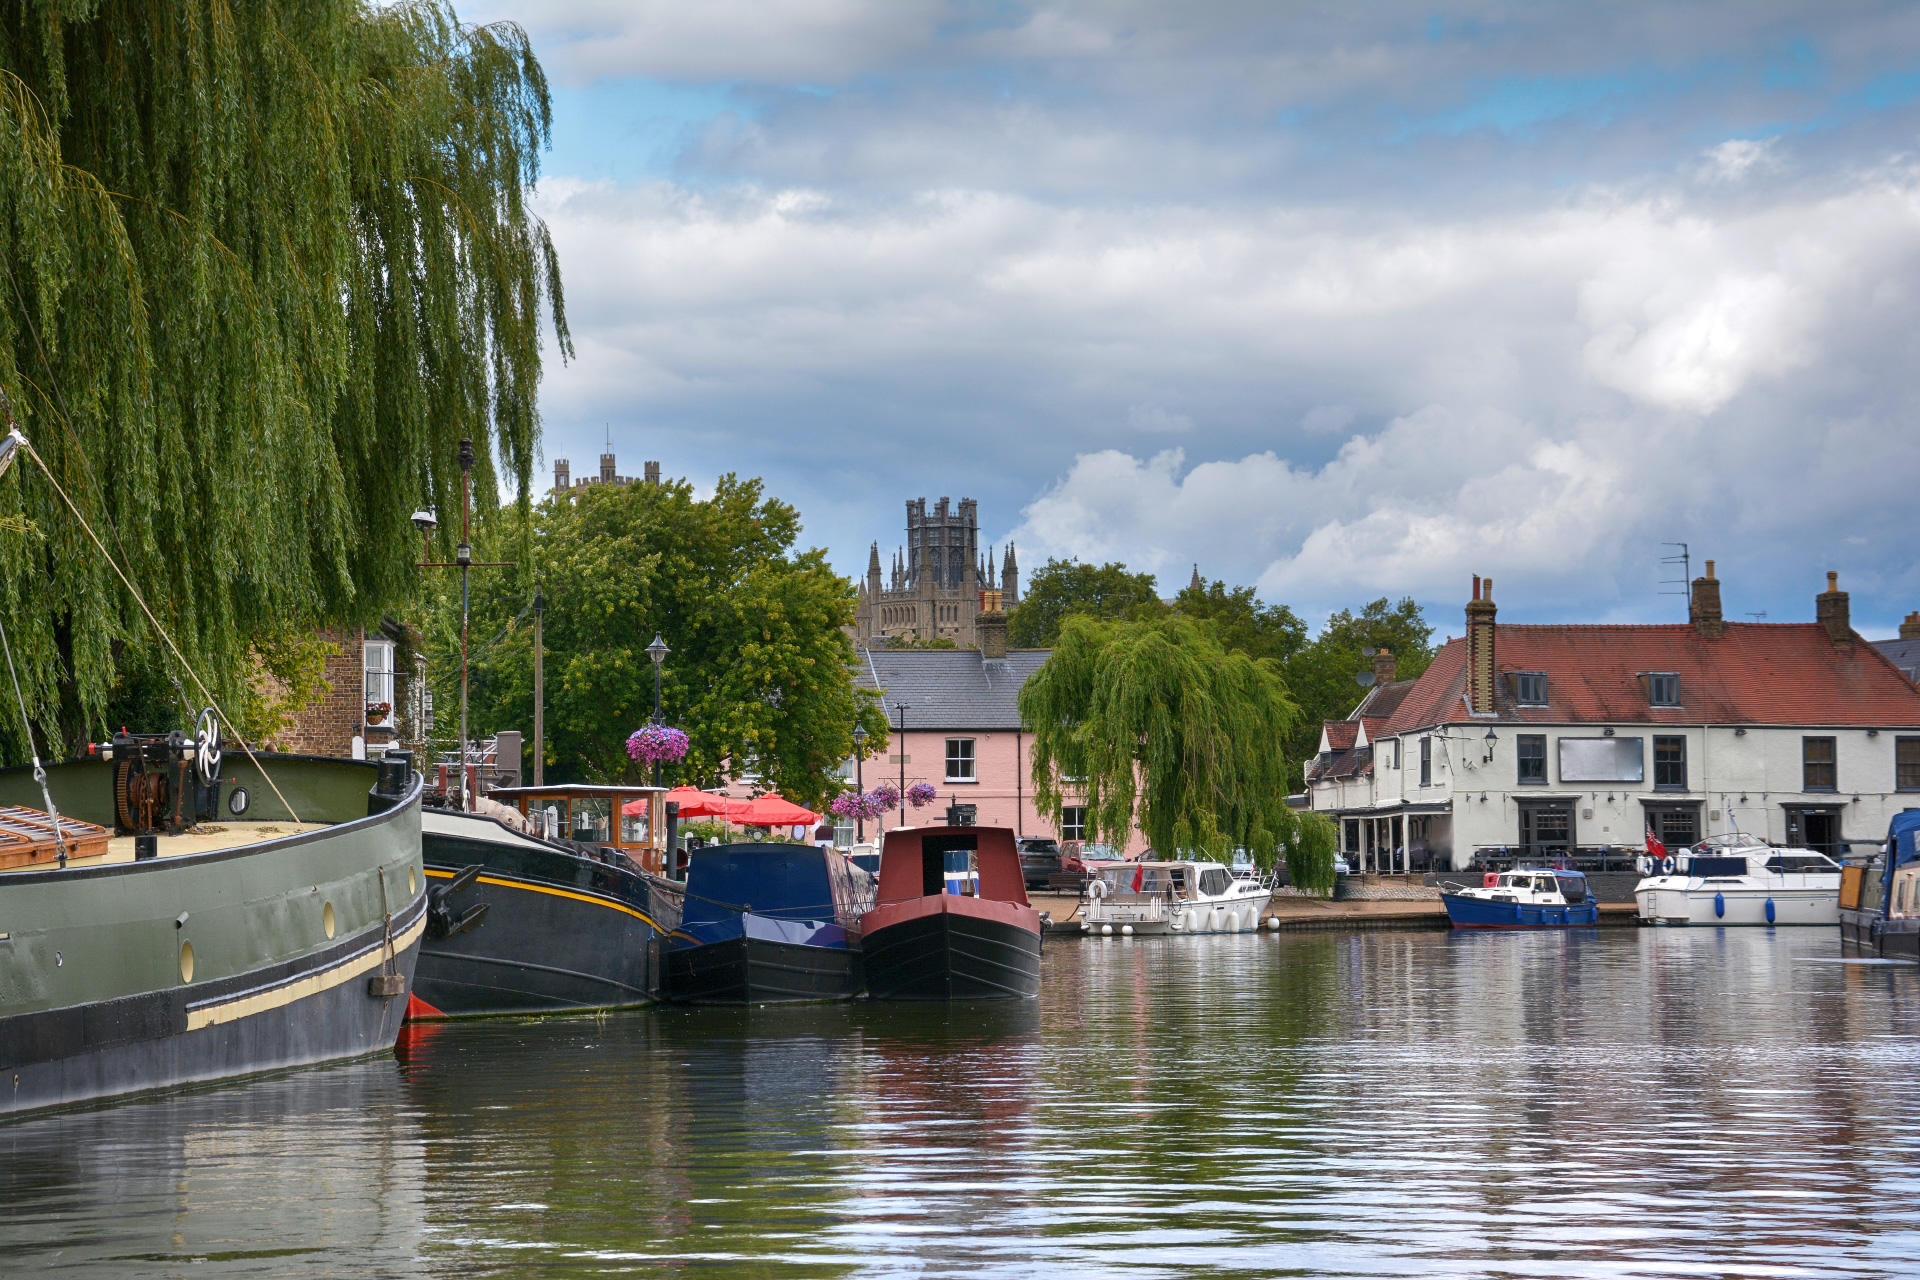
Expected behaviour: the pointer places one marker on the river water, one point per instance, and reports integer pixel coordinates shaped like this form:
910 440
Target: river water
1616 1102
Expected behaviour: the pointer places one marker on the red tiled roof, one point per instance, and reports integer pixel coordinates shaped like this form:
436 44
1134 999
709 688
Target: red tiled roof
1341 734
1382 701
1757 673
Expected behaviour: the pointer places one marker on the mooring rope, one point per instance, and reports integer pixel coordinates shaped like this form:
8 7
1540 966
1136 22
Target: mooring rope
158 629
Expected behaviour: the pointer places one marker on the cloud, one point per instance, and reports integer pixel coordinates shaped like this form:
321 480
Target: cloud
1414 297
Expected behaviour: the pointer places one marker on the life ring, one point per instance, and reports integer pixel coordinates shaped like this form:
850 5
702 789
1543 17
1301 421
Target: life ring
1096 889
1665 865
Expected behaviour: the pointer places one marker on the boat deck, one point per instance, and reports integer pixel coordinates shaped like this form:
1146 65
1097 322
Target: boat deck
205 838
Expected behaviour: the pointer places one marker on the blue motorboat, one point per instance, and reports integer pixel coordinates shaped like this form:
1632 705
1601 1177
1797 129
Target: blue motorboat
1524 898
766 923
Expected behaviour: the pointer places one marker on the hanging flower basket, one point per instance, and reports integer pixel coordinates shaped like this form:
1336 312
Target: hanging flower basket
922 794
884 797
657 744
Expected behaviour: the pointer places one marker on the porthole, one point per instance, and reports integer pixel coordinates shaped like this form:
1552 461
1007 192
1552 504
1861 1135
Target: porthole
326 918
413 885
238 801
186 962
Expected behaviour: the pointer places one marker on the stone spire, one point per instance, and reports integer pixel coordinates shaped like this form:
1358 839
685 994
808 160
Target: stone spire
1194 583
1009 580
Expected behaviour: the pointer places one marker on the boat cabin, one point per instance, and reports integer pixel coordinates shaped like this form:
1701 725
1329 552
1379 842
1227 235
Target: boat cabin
1538 884
972 862
1177 881
614 817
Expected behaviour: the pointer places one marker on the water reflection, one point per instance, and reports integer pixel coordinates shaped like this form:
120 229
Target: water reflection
1607 1103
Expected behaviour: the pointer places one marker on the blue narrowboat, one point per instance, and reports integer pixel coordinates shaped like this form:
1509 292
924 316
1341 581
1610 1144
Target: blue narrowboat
1524 898
766 923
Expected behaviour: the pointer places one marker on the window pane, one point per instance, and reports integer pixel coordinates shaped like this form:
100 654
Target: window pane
1818 767
1532 748
1670 762
1530 688
1073 822
1664 690
1906 763
959 759
1426 762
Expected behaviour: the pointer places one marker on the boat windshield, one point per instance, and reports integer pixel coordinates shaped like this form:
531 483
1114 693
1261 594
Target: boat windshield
1730 840
1802 861
1134 878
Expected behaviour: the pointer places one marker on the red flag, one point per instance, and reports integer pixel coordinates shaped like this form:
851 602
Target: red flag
1654 846
1139 878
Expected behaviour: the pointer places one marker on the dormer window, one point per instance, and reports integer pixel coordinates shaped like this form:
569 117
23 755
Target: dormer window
1530 688
1663 689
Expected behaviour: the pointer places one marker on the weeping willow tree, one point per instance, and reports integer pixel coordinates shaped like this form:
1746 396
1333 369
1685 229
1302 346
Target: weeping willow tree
1154 724
264 265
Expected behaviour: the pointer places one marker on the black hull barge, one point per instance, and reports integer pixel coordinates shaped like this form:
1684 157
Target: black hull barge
747 970
281 935
925 942
520 924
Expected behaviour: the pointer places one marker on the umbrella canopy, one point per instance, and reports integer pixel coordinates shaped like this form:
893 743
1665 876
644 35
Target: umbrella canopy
694 803
772 811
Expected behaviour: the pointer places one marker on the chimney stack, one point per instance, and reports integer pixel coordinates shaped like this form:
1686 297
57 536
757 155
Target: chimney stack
990 626
1383 666
1831 610
1705 606
1910 629
1480 656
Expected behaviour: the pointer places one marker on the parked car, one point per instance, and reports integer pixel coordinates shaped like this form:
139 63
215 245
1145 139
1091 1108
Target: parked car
1040 859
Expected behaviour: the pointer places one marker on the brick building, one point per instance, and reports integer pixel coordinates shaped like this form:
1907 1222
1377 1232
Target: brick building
934 590
377 695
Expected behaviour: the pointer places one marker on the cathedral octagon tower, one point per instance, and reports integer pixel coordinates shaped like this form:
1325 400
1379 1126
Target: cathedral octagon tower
934 588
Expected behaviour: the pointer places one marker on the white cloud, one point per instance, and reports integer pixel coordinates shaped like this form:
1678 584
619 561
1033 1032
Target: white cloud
1737 158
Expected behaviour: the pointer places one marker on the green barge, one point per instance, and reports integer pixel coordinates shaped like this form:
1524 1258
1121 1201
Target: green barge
279 929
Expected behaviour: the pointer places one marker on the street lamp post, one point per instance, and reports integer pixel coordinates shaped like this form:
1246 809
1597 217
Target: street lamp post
859 779
463 561
658 652
902 708
539 689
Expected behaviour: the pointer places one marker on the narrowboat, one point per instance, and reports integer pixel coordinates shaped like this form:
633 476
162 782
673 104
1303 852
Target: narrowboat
1880 900
768 923
198 917
1150 898
924 941
544 900
1524 898
1739 878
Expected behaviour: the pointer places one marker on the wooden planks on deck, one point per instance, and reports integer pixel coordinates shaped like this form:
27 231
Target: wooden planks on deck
27 838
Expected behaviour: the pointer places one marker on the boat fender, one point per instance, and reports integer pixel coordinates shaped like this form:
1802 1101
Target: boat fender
1106 931
1719 904
1126 931
1769 910
1491 880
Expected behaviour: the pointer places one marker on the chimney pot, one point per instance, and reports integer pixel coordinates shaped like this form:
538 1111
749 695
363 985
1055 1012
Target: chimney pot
1833 580
1476 586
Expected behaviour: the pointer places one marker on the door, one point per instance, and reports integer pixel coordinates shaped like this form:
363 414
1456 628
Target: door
1676 826
1546 830
1815 829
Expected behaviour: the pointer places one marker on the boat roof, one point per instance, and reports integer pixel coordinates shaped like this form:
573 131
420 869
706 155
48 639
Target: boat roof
1546 871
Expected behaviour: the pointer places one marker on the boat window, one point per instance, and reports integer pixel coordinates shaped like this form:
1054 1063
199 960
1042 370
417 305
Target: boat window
1572 890
592 820
1214 881
1900 898
1545 884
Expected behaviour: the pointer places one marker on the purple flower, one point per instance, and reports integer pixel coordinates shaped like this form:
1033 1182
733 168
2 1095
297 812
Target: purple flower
922 794
884 797
657 744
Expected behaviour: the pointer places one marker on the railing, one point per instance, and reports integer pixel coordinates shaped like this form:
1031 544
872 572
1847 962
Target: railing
1127 910
1597 858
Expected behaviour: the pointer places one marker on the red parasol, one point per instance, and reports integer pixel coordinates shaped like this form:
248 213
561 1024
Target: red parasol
773 811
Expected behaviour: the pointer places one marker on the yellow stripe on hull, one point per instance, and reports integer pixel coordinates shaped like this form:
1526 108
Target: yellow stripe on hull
558 893
313 984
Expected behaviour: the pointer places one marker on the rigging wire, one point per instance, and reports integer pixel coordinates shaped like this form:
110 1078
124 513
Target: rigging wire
155 622
39 773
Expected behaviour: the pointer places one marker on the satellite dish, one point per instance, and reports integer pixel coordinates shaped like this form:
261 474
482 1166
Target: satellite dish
1364 679
1368 652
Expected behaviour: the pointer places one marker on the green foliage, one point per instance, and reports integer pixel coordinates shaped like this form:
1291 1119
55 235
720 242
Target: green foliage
1240 622
1321 674
1063 588
921 642
1161 727
759 670
264 265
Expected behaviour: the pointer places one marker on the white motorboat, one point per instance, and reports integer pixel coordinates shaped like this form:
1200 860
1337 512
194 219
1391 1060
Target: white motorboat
1741 879
1146 898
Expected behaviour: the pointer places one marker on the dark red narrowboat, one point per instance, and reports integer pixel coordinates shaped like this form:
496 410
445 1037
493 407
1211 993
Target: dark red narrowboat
951 920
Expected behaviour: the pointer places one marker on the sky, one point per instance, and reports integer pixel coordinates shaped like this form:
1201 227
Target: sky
1338 300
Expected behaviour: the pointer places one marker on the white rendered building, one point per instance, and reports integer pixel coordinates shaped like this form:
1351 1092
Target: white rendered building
1541 741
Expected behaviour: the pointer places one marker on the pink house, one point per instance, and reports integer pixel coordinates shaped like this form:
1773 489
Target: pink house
962 735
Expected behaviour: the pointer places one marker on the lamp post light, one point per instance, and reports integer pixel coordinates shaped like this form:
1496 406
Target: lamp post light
901 737
1492 740
859 779
658 652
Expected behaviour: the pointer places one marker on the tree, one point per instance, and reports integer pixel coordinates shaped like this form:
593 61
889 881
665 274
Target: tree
759 674
1160 726
1322 673
1061 588
1240 622
264 265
